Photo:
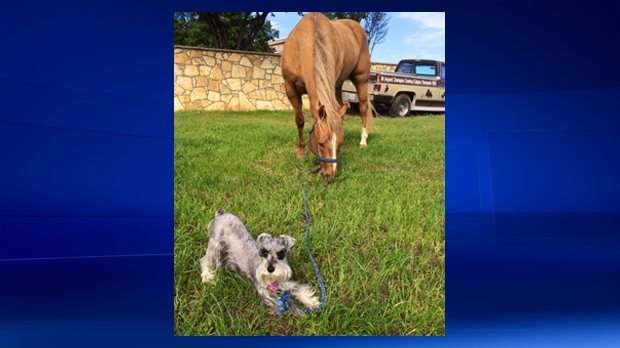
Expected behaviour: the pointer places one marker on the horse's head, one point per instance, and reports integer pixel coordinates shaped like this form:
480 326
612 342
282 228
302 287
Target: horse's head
326 138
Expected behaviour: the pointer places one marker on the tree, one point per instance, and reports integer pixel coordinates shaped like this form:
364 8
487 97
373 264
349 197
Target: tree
375 24
248 31
376 28
189 31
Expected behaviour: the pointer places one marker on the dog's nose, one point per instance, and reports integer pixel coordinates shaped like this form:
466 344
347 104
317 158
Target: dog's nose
270 269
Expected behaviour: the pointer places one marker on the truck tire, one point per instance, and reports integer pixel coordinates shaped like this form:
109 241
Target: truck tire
401 106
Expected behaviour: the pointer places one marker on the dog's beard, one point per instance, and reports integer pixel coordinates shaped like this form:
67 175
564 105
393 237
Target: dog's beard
281 273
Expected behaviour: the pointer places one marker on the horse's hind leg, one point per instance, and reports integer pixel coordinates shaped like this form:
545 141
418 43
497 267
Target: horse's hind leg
362 93
295 99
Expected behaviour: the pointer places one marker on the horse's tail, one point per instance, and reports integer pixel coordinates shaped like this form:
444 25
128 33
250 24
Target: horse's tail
369 115
325 71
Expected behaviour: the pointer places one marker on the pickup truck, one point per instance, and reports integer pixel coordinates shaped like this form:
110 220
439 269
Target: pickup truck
417 84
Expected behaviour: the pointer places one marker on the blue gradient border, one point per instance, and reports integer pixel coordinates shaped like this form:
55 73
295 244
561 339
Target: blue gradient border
86 186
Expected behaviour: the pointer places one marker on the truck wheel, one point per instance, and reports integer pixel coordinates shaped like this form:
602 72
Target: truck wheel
400 106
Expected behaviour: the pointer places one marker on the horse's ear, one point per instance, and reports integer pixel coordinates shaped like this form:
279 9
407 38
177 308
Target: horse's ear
343 110
322 113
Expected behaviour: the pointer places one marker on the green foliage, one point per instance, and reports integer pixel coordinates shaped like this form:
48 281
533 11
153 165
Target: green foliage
248 31
189 31
377 231
357 16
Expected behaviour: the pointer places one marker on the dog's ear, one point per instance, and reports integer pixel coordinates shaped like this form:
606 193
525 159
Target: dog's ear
288 241
262 237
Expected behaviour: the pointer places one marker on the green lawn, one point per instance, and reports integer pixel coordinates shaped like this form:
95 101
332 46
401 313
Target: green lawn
377 231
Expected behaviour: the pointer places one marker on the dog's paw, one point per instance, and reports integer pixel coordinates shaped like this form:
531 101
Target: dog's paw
310 302
306 295
207 277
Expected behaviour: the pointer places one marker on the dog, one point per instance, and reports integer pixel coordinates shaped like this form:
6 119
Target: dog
263 261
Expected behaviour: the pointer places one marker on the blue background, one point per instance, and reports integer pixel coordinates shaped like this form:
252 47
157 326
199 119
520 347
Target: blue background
532 163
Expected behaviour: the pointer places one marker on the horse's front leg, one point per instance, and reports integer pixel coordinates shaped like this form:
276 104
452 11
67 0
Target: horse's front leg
301 144
295 100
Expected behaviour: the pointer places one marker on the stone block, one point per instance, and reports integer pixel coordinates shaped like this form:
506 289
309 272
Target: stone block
234 57
178 90
264 105
248 87
246 62
258 73
234 84
181 58
238 71
209 60
178 70
185 82
178 105
198 93
213 96
245 103
214 85
216 106
205 70
267 64
191 70
216 73
226 66
201 81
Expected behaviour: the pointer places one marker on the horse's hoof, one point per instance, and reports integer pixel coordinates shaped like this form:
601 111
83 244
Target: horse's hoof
363 145
301 156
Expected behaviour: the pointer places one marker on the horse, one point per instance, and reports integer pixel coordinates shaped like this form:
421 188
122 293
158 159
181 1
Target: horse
317 57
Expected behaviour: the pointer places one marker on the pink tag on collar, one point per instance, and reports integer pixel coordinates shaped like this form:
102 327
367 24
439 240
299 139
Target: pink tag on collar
272 287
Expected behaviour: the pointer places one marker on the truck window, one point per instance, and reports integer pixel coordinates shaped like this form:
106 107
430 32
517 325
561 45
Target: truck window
443 71
425 69
418 68
405 67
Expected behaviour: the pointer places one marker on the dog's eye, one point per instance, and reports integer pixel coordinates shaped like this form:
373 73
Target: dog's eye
263 253
281 255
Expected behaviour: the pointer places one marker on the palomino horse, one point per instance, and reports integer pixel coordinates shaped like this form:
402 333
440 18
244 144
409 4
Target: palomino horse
318 56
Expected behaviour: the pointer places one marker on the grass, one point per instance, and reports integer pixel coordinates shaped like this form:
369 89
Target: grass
377 231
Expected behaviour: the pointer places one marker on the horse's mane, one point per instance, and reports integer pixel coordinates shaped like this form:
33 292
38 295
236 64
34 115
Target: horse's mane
325 75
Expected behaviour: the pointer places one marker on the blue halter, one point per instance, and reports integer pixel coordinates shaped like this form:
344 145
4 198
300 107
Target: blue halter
319 157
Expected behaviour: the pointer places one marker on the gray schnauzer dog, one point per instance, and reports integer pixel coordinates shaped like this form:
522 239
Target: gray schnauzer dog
263 261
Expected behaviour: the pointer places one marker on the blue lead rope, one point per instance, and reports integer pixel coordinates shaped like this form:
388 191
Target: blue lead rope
316 267
284 300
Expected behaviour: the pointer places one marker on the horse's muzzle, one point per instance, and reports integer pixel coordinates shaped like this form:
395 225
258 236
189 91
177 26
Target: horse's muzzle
328 177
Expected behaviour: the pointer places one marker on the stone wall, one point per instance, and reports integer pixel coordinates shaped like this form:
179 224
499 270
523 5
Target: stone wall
212 79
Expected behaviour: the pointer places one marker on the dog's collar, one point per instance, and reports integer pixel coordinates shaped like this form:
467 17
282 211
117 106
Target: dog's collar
283 301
